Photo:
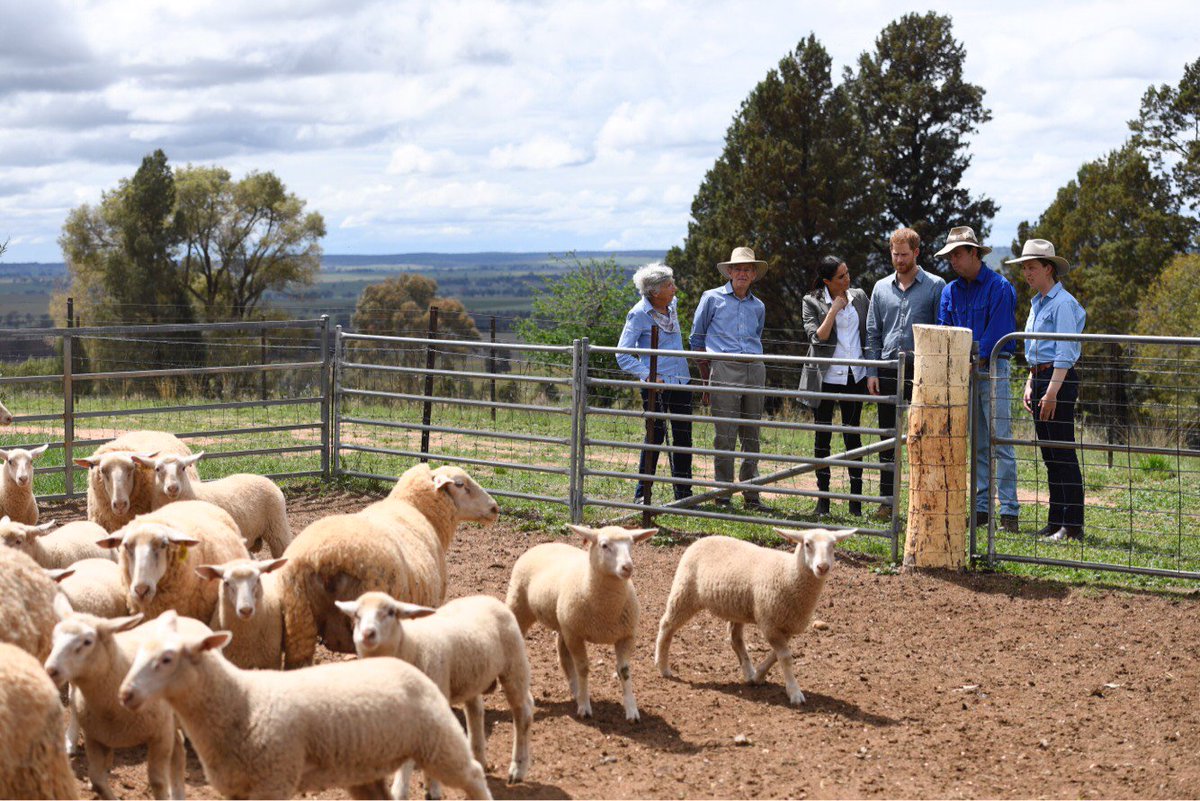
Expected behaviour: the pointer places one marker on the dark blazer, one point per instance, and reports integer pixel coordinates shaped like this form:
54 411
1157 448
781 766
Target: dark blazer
814 309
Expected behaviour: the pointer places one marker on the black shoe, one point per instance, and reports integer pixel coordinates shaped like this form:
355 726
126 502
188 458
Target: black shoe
1010 523
855 508
687 493
756 505
1069 533
822 508
723 503
1047 530
981 519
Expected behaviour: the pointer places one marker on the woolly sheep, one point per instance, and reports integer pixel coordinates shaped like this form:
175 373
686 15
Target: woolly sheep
746 583
16 484
397 545
255 502
93 586
94 654
33 763
583 597
466 647
56 548
118 488
250 609
270 734
159 552
6 416
26 603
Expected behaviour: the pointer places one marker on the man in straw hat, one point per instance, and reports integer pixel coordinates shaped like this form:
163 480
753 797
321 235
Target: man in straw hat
730 319
985 302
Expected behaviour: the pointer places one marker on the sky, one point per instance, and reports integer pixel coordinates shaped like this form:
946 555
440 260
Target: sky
458 126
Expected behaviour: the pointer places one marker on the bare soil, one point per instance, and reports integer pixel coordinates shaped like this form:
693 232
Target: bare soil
919 686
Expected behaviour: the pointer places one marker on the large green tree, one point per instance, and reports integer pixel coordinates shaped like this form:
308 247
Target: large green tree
792 182
917 112
1167 131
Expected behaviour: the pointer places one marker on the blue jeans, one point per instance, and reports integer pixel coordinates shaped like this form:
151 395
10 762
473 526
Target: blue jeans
1006 458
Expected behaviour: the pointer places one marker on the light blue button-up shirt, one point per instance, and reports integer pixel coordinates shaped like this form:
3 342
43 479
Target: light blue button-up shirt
725 323
1056 312
894 312
636 334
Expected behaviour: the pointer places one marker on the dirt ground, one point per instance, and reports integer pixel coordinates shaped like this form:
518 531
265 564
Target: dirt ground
920 686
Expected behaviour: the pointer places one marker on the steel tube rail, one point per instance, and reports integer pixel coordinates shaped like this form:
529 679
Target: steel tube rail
770 391
30 379
1099 446
733 518
704 418
762 456
699 482
451 430
191 371
558 471
1106 566
163 328
502 493
461 343
196 407
565 382
520 407
750 357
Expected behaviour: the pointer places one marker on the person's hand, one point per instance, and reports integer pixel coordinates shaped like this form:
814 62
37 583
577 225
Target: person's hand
1048 404
839 303
1027 398
873 385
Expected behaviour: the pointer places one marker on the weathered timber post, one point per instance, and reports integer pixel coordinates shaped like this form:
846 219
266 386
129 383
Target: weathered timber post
937 448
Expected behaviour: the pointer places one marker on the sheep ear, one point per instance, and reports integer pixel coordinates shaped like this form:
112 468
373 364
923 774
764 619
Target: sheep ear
35 452
838 536
167 622
62 606
4 455
144 461
643 534
179 538
273 564
188 461
441 482
110 542
45 528
59 574
210 572
117 624
88 461
588 534
793 535
4 521
349 608
213 642
409 611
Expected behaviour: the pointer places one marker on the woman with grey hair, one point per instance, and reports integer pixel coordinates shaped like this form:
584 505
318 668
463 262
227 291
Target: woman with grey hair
656 283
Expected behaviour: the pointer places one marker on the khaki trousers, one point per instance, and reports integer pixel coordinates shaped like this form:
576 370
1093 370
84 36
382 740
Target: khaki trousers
746 407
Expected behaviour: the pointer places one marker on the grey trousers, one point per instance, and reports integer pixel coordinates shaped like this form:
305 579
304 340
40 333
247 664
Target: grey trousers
747 407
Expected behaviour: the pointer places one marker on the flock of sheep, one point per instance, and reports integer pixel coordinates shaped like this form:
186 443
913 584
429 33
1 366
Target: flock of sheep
157 621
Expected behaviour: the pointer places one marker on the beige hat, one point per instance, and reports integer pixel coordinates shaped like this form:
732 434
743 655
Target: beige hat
962 235
1042 249
743 256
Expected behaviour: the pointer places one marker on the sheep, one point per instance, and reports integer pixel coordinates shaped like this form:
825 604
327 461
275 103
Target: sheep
56 548
26 603
159 552
251 609
6 417
745 583
255 502
93 586
583 597
119 488
33 763
16 484
271 734
465 647
94 654
396 545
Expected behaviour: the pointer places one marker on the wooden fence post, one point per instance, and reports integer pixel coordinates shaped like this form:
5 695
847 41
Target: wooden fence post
938 421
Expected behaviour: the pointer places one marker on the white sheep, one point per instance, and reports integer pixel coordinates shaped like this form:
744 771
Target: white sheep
16 483
272 734
160 551
118 487
26 603
745 583
583 597
397 545
251 609
6 417
33 763
466 646
93 586
56 548
255 502
94 654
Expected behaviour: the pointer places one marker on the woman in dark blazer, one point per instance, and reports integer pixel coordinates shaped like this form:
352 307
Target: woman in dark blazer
835 321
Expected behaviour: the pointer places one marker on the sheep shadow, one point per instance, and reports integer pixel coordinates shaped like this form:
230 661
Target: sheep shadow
609 717
774 694
526 789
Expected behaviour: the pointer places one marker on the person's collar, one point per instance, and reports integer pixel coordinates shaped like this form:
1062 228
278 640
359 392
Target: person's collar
647 306
1054 290
825 294
728 290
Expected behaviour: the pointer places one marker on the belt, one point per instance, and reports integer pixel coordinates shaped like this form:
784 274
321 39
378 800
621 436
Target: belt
1041 368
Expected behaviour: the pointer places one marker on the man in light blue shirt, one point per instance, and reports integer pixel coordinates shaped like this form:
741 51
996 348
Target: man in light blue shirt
730 319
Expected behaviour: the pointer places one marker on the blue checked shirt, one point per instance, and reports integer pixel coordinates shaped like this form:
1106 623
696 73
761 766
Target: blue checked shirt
1059 313
726 324
636 334
987 306
894 312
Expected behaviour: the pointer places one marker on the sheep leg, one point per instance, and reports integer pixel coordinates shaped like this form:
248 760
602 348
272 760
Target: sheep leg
160 753
676 615
624 648
781 651
375 789
760 672
568 666
99 759
73 731
473 712
179 767
401 781
521 703
468 777
738 640
577 647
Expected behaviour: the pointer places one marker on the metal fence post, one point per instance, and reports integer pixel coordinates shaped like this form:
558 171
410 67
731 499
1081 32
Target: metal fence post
578 427
335 410
491 364
898 456
427 407
991 490
326 367
69 409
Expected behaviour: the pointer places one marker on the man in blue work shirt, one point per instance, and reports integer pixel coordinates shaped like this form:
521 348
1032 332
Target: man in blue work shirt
730 319
985 302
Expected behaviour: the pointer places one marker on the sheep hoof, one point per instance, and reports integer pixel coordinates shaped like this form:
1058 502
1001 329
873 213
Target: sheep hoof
515 775
633 716
796 697
584 710
666 672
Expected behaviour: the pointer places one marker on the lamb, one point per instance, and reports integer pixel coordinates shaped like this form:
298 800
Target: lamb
465 647
251 609
271 734
255 502
397 545
26 604
33 763
56 548
93 586
746 583
159 553
118 488
16 484
583 597
94 654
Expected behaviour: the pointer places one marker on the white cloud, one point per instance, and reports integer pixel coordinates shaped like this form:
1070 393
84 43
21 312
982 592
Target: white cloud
539 153
411 158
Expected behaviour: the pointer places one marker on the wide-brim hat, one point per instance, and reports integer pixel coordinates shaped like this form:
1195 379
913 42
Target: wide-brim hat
743 256
1043 250
962 235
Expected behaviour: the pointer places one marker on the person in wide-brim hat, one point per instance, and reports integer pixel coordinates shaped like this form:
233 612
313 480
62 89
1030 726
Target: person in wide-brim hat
963 235
743 256
1042 250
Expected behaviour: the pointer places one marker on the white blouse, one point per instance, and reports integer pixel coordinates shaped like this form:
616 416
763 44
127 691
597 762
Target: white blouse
849 346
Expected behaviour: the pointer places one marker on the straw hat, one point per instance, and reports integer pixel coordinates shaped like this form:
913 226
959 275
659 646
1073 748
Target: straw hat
743 256
1044 250
962 235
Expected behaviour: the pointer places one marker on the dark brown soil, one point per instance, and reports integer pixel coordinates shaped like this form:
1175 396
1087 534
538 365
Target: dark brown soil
953 685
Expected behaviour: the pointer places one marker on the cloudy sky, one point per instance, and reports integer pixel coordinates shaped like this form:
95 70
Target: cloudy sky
534 126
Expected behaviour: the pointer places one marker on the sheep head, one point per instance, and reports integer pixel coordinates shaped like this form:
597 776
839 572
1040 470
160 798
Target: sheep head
118 472
610 549
161 659
18 464
170 474
241 582
21 536
76 636
471 501
147 552
814 547
377 627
